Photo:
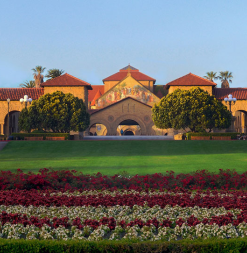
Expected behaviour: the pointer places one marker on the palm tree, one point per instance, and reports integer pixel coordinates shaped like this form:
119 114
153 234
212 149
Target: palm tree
38 77
225 77
53 73
211 76
28 84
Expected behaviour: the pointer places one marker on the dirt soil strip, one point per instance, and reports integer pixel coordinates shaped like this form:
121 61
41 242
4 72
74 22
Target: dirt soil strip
3 144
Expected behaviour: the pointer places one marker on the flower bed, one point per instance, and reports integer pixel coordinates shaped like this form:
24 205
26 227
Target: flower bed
65 180
120 215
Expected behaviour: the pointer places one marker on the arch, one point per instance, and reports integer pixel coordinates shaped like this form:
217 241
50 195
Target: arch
12 124
126 117
128 132
240 121
98 121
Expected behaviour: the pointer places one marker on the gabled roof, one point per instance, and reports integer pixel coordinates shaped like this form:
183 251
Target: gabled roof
98 95
190 80
124 72
14 94
95 88
92 111
128 67
66 80
238 93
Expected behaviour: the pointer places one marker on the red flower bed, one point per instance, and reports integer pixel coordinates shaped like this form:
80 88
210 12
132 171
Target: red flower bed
237 199
48 179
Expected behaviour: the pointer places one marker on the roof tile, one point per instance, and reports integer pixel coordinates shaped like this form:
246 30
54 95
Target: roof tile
92 93
16 93
238 93
190 80
66 80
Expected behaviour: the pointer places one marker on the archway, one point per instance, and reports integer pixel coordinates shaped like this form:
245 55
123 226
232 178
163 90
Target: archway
98 130
240 123
12 124
128 127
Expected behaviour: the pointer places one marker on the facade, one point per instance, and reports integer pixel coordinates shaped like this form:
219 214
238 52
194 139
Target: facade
122 105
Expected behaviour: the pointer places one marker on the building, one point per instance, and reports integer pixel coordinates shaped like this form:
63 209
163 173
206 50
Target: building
122 105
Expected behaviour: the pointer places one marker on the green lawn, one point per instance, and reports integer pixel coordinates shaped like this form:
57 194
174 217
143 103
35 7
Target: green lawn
135 157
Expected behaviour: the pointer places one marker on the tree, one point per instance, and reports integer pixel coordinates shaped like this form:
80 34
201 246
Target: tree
38 77
225 77
194 109
28 84
53 73
211 76
23 121
58 112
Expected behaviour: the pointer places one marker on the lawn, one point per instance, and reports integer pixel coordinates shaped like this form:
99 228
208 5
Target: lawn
135 157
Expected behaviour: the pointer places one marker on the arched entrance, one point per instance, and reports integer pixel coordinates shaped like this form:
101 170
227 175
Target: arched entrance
240 123
12 124
98 130
128 127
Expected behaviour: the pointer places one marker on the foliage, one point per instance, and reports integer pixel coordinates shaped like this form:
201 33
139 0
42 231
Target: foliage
57 111
128 246
211 76
21 136
53 73
233 135
28 84
23 122
38 77
225 75
66 179
194 109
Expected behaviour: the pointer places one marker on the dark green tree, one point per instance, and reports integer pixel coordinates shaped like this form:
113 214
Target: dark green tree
24 122
53 73
58 112
194 109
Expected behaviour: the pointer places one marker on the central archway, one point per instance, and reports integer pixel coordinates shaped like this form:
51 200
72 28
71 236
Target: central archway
129 123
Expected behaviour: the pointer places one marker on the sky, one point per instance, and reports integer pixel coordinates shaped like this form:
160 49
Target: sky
92 40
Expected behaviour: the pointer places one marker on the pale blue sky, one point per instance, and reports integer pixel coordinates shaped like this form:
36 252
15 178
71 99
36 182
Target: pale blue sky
94 39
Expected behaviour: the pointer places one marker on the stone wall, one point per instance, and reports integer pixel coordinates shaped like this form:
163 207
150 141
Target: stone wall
206 88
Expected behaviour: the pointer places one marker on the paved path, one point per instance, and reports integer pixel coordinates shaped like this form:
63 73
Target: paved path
126 138
2 144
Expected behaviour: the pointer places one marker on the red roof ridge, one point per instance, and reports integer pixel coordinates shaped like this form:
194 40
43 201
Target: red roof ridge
53 80
77 79
190 74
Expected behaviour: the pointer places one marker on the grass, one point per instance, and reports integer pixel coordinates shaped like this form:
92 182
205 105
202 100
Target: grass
135 157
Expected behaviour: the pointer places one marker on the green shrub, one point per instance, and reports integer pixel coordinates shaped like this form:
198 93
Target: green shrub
21 136
233 135
3 137
223 245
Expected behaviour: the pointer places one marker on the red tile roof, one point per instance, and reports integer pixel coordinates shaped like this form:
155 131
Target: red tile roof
16 93
98 95
134 73
190 80
66 80
92 93
238 93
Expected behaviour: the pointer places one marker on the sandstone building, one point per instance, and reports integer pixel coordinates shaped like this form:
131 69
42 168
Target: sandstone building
122 105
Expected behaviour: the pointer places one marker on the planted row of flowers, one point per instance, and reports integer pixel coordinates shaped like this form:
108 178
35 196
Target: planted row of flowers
122 214
49 179
200 231
227 199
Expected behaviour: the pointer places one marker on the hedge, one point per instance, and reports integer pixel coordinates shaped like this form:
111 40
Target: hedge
233 135
3 137
212 245
21 136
